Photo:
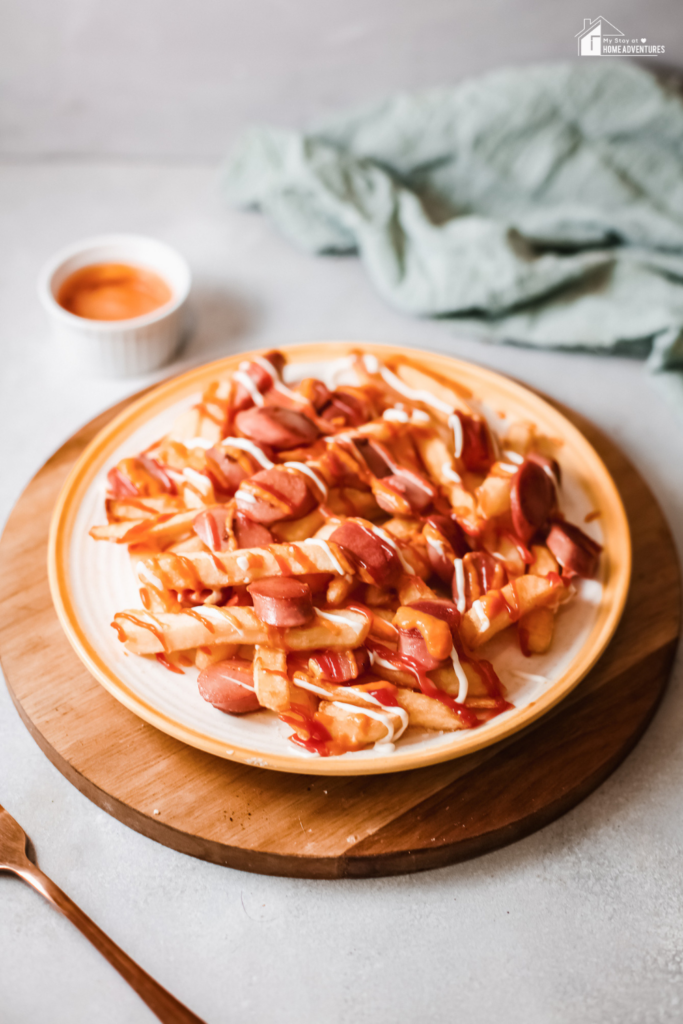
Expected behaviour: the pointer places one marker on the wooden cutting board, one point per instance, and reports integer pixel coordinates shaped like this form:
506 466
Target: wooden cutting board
313 826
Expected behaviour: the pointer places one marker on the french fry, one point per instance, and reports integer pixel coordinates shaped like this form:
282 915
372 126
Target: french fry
125 509
146 633
355 729
206 656
274 689
293 530
160 530
197 569
426 712
536 630
489 615
545 561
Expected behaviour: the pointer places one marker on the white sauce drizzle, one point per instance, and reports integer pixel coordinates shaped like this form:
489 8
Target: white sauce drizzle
513 456
458 436
197 480
461 603
251 449
145 573
371 363
326 547
419 416
246 497
416 396
385 537
249 386
336 617
198 442
265 364
284 390
508 467
383 716
396 415
451 474
243 562
463 681
478 609
317 480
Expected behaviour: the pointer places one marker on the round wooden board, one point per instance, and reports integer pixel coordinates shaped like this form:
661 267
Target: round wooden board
333 827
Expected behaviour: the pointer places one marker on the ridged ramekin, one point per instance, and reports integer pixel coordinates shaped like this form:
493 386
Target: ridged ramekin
118 348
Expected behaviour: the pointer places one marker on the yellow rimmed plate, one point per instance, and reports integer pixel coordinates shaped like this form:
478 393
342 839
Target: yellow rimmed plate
90 581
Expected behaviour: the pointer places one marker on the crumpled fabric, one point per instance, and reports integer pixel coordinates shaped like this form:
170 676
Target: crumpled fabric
537 206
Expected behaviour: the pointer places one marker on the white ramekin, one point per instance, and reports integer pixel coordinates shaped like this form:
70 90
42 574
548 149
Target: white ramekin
118 348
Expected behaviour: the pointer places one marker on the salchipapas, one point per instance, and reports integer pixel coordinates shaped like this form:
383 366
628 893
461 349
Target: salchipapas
340 557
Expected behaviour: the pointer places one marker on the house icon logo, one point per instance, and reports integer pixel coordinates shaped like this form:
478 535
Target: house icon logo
594 36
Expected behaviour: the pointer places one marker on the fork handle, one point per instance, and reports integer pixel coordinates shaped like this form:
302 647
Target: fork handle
166 1007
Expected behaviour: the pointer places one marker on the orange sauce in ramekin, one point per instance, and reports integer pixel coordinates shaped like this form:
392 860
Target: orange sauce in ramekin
113 291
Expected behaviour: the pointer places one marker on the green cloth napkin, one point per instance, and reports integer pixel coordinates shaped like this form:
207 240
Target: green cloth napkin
538 206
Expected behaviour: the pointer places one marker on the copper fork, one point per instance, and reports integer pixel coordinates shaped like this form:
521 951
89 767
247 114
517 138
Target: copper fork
13 857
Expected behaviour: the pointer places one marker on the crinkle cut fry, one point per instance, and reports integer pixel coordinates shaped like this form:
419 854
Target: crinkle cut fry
198 569
144 633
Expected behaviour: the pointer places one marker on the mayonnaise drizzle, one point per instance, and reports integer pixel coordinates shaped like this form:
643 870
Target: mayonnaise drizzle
243 562
249 386
250 448
513 456
317 480
396 415
458 436
461 603
330 553
265 364
478 609
198 442
460 675
197 480
383 715
451 474
284 390
246 497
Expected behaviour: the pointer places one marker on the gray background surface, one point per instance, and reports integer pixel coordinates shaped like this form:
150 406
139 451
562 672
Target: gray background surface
111 118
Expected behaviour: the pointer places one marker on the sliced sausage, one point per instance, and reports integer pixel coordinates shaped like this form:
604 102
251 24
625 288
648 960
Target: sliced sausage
249 534
315 392
276 494
532 499
477 449
347 409
375 456
282 601
229 686
577 553
226 473
370 551
262 376
210 527
551 466
119 485
411 644
276 426
411 487
451 531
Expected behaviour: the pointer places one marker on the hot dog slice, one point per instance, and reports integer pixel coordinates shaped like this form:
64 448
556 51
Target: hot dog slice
275 494
445 542
276 426
577 553
210 527
532 499
369 550
249 534
476 448
412 487
226 472
411 644
282 601
261 374
445 610
229 686
347 409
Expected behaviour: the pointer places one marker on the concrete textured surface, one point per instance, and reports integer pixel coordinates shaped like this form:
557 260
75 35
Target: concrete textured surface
581 923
